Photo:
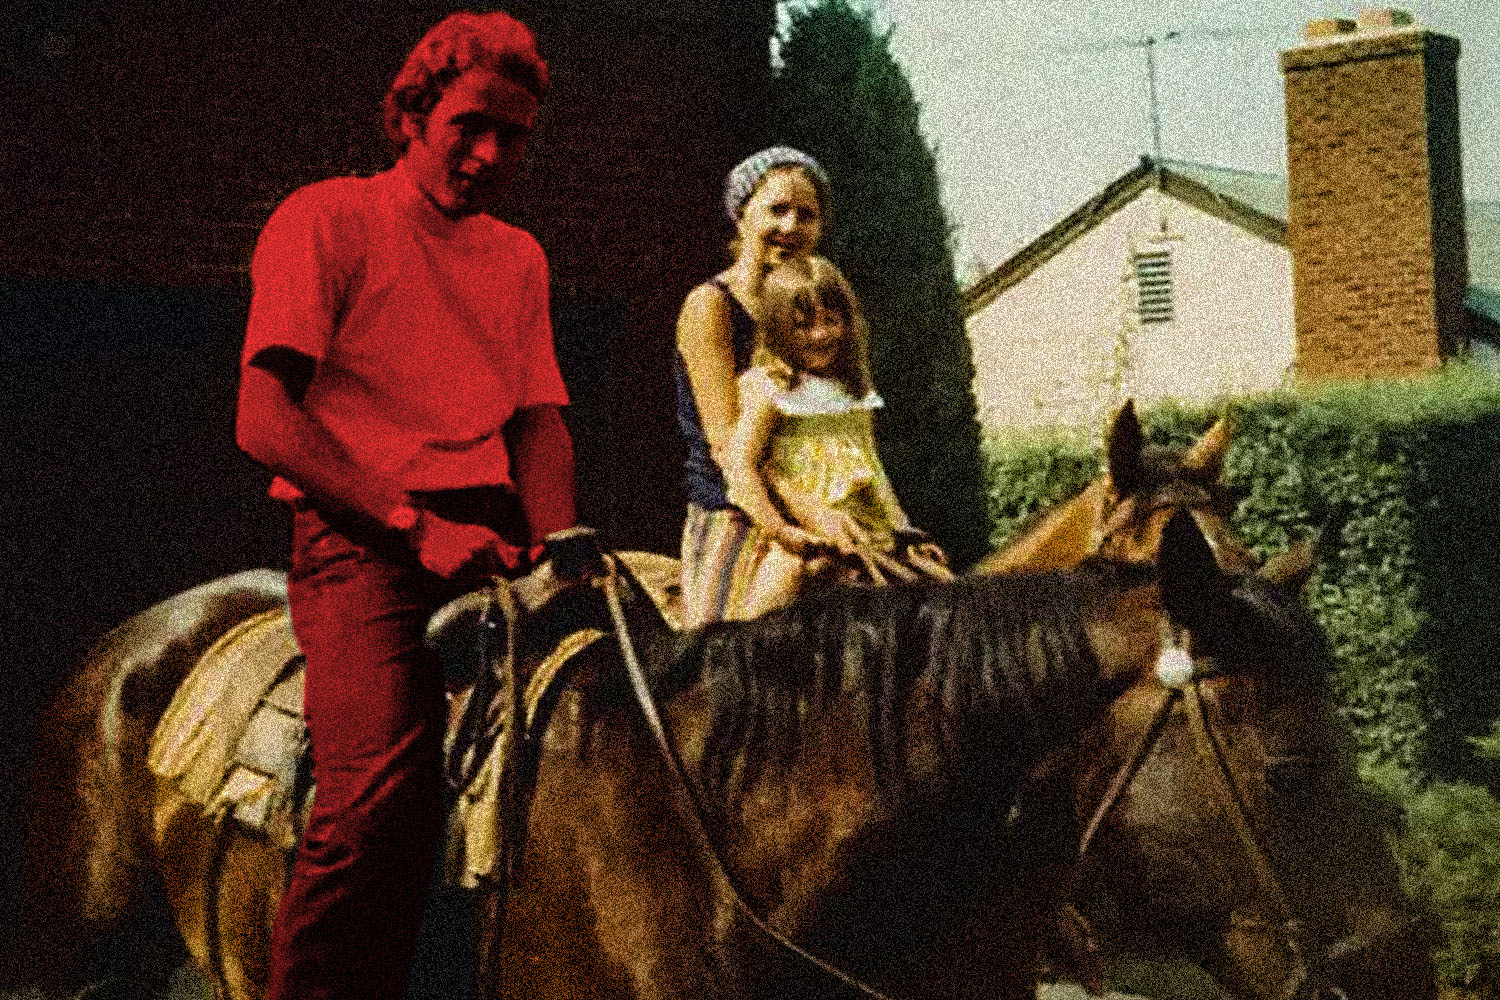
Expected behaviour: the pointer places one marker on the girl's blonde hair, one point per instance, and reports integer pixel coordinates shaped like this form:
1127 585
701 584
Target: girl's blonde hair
789 299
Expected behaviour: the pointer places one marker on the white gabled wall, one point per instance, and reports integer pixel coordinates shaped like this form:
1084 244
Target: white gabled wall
1044 350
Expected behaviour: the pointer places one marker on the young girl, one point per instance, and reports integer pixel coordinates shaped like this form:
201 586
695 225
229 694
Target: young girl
803 464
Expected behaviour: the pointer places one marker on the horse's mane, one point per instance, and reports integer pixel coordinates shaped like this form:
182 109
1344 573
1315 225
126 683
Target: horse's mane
1005 658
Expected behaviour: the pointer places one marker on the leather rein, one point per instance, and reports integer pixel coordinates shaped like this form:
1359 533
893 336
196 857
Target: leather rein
609 582
1181 687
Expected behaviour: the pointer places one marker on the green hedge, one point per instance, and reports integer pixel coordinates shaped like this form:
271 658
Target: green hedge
1449 854
1400 483
1398 480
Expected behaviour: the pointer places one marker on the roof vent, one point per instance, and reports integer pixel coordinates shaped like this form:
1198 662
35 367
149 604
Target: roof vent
1153 286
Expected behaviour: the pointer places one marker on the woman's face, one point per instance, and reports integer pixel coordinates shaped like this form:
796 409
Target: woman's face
782 220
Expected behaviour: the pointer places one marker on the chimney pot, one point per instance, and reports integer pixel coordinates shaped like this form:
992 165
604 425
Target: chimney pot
1383 17
1328 26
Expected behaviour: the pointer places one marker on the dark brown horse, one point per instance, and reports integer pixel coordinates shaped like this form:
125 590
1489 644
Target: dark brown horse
861 753
1165 881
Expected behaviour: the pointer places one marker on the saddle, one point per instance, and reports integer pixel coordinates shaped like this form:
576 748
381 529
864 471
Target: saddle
233 740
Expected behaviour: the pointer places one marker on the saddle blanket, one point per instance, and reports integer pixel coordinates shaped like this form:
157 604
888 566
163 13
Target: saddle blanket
234 743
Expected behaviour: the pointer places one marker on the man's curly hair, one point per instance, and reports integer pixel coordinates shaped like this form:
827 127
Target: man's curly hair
453 46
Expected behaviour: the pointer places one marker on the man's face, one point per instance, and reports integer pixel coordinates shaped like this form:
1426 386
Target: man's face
466 152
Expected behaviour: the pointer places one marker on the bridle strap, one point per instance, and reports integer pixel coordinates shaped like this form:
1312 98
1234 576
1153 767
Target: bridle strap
1127 773
641 687
1212 753
1112 517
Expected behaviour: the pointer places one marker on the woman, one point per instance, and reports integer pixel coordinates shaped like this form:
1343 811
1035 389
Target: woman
778 201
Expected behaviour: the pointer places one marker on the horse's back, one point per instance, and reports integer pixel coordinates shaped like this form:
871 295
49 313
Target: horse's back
128 677
88 823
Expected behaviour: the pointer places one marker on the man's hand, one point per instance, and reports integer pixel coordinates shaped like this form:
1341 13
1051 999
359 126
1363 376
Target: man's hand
451 549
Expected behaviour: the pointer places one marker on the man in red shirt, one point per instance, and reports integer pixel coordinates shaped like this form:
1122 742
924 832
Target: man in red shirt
399 378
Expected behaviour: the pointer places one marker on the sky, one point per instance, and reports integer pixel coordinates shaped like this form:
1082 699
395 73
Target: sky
1034 106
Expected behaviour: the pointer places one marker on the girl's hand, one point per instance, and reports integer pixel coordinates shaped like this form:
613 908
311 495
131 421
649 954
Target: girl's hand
842 532
932 551
798 542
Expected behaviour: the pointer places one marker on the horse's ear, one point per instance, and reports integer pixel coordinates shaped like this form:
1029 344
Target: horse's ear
1193 588
1123 449
1289 571
1207 453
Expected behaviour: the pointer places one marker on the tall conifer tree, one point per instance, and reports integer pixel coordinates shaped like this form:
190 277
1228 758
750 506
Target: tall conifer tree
841 96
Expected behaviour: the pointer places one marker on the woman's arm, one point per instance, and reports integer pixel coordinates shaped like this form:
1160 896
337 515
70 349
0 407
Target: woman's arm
705 340
832 528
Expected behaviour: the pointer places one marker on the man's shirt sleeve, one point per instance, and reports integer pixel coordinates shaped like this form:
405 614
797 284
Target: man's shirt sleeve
299 273
541 382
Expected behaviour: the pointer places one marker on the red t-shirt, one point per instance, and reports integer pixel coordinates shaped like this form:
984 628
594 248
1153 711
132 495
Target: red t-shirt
428 333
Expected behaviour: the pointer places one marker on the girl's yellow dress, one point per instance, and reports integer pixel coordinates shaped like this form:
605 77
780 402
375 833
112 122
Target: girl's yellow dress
823 448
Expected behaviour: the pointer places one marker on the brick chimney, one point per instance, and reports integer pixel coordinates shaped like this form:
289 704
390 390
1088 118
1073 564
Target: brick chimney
1375 193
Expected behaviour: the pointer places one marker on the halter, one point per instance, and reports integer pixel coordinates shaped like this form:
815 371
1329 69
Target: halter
1114 518
1180 676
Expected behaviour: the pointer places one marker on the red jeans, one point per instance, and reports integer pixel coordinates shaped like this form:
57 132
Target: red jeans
375 710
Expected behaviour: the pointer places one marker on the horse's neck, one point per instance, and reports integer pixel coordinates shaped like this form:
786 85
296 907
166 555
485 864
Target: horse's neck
818 827
1062 538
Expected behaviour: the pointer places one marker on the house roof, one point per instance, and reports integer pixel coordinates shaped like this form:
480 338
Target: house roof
1254 201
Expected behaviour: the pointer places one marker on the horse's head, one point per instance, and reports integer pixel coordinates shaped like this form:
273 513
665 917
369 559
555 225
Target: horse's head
1121 514
1145 485
1227 823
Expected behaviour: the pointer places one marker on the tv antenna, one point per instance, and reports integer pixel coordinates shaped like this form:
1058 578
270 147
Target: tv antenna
1148 44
